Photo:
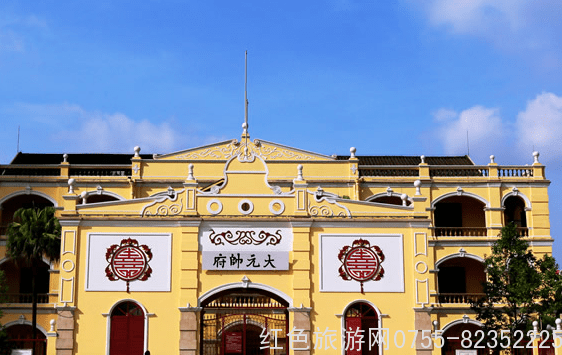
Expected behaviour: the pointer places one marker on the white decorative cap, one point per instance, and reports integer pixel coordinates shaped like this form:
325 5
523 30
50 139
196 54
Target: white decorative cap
536 156
71 185
137 151
417 185
352 150
299 173
492 157
190 172
65 158
422 159
404 197
558 321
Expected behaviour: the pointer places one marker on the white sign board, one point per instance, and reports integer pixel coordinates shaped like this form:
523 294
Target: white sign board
391 247
246 260
255 247
21 352
157 249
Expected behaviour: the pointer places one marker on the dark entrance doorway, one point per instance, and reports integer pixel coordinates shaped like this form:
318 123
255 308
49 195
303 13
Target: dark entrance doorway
246 322
127 330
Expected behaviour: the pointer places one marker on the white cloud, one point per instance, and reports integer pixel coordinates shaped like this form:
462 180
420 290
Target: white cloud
102 132
476 15
68 128
540 125
485 130
444 114
15 30
511 24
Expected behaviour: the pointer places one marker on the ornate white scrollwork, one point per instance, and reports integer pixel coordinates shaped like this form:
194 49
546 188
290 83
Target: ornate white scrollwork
166 204
325 203
243 237
245 151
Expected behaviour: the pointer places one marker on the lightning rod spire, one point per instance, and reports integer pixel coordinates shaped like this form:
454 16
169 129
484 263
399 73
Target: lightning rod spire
245 125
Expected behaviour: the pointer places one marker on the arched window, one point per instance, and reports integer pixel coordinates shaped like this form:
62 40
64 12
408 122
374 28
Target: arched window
363 318
456 216
515 211
19 274
95 198
127 329
10 206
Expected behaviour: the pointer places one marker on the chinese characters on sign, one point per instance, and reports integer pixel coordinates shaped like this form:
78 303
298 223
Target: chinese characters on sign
246 248
252 260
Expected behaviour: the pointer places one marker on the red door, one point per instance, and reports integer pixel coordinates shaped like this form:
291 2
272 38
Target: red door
127 330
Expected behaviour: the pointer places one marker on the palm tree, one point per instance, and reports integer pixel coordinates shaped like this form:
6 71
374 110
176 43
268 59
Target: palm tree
34 234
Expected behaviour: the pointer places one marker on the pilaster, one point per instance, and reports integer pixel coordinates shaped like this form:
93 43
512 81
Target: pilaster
301 262
422 323
300 321
189 330
65 330
189 280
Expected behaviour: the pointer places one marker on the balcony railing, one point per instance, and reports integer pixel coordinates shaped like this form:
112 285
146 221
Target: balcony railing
388 170
460 170
460 231
459 297
30 170
107 170
26 298
515 171
75 170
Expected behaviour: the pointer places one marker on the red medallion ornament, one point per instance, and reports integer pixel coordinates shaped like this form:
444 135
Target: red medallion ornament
361 262
128 261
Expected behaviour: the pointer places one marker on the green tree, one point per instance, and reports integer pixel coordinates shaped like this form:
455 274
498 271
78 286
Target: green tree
519 288
33 235
5 347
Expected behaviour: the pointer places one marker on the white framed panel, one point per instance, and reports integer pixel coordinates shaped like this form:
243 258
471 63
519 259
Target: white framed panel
392 246
69 242
160 245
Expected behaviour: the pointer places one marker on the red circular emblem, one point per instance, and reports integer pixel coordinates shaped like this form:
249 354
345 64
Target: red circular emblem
361 262
128 261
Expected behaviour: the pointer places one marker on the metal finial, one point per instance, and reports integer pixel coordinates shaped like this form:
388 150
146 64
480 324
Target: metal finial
245 125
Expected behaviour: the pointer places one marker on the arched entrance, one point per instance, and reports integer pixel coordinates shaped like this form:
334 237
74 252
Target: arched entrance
244 321
127 329
20 337
360 320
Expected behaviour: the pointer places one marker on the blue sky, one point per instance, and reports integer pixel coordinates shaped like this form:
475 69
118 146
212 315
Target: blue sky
388 77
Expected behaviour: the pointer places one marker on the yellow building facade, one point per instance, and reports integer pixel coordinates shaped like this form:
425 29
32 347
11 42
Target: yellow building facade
251 247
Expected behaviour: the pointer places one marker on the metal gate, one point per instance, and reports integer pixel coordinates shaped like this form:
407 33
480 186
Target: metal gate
244 322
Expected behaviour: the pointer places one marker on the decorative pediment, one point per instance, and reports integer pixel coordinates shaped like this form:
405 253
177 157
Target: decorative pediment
245 173
228 149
